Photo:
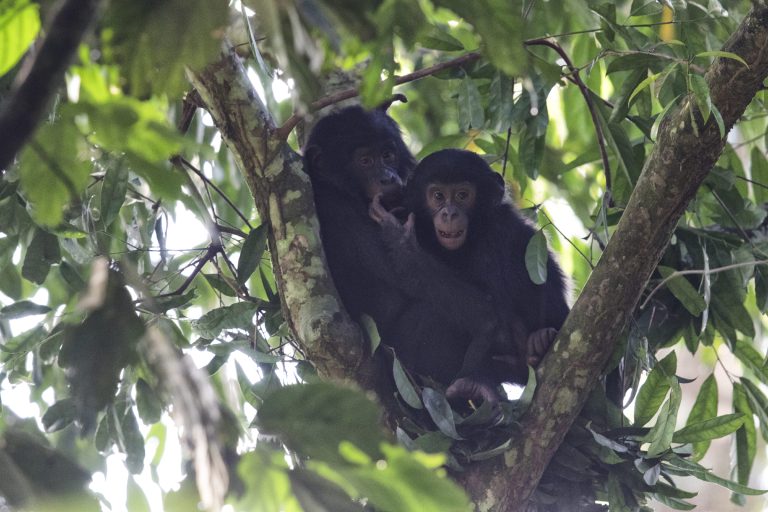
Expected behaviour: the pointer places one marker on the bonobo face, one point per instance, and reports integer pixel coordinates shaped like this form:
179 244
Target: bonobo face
451 206
375 169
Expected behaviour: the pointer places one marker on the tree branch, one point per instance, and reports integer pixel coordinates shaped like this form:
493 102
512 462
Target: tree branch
291 122
576 79
678 165
283 197
41 75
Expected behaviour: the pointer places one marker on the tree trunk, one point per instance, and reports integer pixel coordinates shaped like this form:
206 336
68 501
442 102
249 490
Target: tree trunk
679 163
283 196
677 166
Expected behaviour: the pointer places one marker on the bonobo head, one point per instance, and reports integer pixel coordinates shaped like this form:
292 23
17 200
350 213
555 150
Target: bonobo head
359 152
451 191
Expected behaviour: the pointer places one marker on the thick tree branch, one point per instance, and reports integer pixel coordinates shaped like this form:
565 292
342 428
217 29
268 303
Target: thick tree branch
283 197
677 166
41 76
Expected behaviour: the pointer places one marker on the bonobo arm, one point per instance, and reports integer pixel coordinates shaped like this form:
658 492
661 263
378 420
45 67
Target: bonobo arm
428 279
462 302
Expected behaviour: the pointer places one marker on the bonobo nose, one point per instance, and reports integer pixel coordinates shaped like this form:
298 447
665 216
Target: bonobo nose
387 180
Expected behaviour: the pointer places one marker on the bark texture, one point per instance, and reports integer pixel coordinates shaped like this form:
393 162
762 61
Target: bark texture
677 166
283 196
680 161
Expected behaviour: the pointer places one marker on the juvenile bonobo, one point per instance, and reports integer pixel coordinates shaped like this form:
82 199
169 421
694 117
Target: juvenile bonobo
462 219
422 308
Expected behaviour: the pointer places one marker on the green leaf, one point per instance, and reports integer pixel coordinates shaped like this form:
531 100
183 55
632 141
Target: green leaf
59 415
752 359
71 276
134 443
536 257
654 390
315 418
221 284
644 84
437 38
501 102
499 24
684 291
707 430
634 61
746 435
705 475
148 403
251 253
404 386
701 93
735 314
722 54
704 408
42 252
23 308
154 41
372 331
622 102
238 315
113 190
318 494
719 121
661 116
440 412
471 114
662 432
758 403
136 500
54 168
761 289
19 26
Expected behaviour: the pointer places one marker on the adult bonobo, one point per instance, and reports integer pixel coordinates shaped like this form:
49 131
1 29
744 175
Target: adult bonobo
463 219
422 308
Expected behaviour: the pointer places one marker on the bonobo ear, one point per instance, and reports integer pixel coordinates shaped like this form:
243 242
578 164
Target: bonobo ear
313 158
497 194
388 103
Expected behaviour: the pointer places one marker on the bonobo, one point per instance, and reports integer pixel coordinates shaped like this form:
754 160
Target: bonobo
422 308
463 220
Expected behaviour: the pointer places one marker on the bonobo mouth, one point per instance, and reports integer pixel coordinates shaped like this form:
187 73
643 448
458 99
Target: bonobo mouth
392 196
451 240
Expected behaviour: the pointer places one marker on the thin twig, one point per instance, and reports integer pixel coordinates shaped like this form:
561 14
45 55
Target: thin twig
717 270
567 239
285 130
588 99
211 253
185 163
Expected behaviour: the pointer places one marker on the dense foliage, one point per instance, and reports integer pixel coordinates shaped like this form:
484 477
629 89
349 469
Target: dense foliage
138 294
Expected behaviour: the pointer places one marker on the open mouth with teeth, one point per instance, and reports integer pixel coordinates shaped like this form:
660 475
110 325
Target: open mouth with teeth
451 240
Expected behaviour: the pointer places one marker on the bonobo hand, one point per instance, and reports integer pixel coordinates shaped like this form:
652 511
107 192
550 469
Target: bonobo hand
393 230
538 344
472 389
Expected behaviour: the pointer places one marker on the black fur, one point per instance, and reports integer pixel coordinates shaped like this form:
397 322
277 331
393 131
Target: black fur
423 309
493 256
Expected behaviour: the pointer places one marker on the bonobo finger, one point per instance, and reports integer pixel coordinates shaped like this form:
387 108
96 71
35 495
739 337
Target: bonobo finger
471 389
376 210
533 361
539 341
409 223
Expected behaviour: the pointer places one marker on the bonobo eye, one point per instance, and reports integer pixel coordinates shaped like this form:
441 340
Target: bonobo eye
388 155
438 196
462 195
365 161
